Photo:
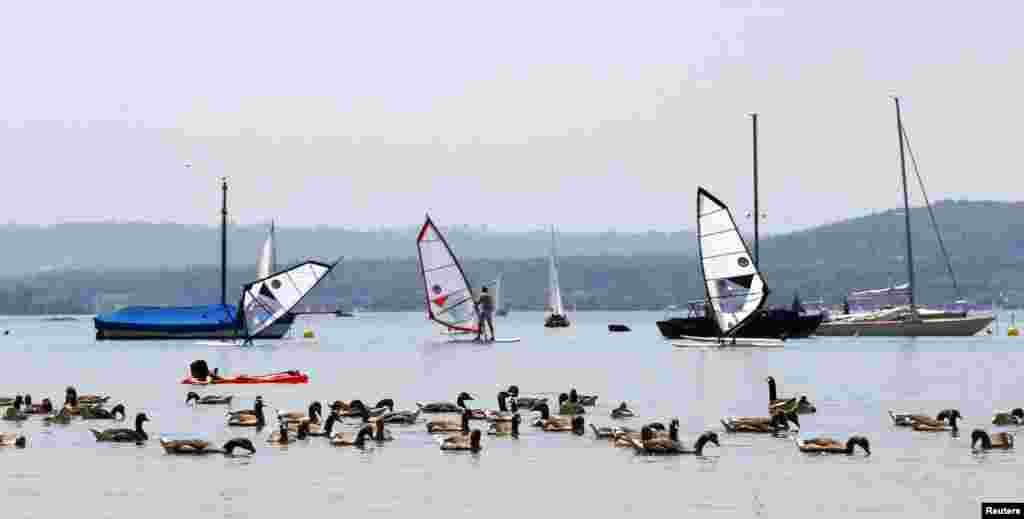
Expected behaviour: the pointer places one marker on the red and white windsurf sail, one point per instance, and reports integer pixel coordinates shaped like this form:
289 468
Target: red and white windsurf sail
449 297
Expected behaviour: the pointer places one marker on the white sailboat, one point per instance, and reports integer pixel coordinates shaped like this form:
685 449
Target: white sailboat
267 263
734 287
268 299
556 316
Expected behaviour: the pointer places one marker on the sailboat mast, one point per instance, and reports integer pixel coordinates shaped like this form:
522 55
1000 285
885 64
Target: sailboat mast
224 242
273 248
757 209
906 207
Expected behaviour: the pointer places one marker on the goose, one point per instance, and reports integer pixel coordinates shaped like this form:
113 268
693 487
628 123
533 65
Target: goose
312 414
1015 417
98 413
625 437
775 404
124 435
62 417
348 409
546 418
506 427
1000 440
12 440
450 425
649 444
576 426
909 419
584 400
384 406
462 442
13 413
249 420
446 407
525 402
757 424
192 396
327 429
952 415
258 403
608 432
196 447
826 445
568 406
622 412
44 408
357 439
282 437
400 417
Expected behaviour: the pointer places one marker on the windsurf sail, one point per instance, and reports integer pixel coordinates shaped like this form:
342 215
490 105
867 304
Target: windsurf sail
267 299
268 257
449 297
734 287
554 290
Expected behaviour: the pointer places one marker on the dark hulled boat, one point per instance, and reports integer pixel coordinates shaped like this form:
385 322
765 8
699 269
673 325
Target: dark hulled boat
775 323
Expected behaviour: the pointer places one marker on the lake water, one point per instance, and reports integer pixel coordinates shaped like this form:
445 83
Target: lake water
852 381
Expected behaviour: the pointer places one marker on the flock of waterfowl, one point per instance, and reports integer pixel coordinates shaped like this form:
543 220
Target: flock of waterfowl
450 422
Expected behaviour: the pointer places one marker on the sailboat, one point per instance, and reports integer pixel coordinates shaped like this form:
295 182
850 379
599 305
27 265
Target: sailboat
734 288
909 320
556 316
449 297
500 309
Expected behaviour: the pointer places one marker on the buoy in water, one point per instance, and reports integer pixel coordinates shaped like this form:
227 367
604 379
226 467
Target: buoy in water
308 333
618 328
1012 331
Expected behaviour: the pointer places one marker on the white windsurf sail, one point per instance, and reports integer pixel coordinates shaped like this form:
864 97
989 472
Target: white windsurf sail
264 301
554 290
268 256
734 287
449 297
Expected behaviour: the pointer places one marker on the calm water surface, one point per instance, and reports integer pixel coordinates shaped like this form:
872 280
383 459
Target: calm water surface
852 381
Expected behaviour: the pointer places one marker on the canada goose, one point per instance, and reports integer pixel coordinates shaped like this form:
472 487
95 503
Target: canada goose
1000 440
524 402
775 404
952 415
827 445
249 420
124 435
576 426
207 399
98 413
384 406
450 425
462 442
12 440
506 427
356 439
622 412
546 418
626 437
757 424
258 403
312 414
400 417
909 419
649 444
608 432
197 447
62 417
1015 417
348 409
446 407
282 437
14 413
584 400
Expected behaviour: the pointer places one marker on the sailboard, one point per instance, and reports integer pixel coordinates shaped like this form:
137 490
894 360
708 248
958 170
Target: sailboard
268 299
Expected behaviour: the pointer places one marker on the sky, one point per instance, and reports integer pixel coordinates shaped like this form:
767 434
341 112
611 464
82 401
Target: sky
590 115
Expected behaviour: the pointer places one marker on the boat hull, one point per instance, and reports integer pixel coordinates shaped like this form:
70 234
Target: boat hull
194 322
774 323
956 327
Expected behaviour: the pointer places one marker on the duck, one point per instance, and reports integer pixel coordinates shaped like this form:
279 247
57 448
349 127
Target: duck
124 435
626 437
775 404
584 400
545 417
608 432
1015 417
72 397
446 407
650 444
757 424
506 427
1000 440
524 402
62 417
450 425
952 415
46 407
357 439
192 396
462 442
826 445
326 430
12 440
622 411
197 447
252 412
568 406
347 409
13 413
312 414
249 420
98 413
282 437
909 419
576 426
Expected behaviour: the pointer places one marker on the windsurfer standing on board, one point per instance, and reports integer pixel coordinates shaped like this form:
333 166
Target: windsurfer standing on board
485 307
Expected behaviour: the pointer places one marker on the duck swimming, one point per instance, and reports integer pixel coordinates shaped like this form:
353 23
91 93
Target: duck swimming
524 402
1000 440
198 447
98 413
12 440
1015 417
649 444
757 424
446 407
622 412
825 445
462 442
192 396
775 404
355 439
124 435
13 413
450 425
249 420
952 415
506 427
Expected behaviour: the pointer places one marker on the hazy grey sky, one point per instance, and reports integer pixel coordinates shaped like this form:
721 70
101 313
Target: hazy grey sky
586 114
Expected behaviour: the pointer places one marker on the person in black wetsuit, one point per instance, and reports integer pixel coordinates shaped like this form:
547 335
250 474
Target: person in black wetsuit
201 372
485 307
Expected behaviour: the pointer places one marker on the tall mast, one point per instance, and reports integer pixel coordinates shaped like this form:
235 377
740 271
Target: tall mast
906 208
273 248
757 209
224 242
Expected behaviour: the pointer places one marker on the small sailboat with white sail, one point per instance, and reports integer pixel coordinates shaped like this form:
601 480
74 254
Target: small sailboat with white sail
556 316
734 288
450 299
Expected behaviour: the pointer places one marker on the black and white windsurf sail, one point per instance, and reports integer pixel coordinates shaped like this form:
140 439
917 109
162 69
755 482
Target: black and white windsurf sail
266 300
449 296
734 287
